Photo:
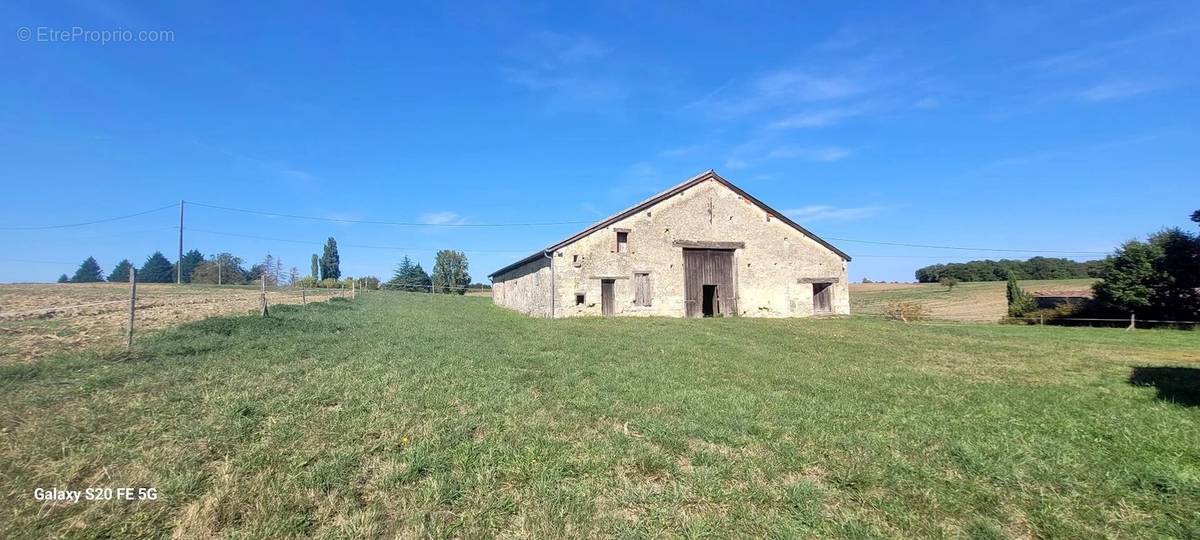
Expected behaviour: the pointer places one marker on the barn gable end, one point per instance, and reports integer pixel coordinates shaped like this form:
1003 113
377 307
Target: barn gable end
759 262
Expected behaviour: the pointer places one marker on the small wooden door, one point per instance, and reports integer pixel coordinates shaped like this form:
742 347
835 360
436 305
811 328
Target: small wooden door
709 271
822 297
607 297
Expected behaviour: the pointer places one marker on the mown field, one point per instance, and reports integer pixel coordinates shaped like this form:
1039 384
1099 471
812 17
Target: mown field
30 330
401 415
968 302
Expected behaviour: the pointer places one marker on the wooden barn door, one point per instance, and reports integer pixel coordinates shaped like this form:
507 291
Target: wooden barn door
709 271
608 298
822 297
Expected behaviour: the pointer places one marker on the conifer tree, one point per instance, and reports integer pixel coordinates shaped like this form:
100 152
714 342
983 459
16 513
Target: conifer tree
157 270
121 271
88 272
330 261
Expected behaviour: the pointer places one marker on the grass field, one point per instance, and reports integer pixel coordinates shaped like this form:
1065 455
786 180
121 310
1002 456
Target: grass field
970 302
405 414
30 332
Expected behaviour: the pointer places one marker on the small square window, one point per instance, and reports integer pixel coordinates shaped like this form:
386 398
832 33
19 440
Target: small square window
622 242
579 299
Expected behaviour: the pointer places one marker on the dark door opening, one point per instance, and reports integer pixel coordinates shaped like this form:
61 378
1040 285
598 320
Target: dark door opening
607 297
822 298
709 305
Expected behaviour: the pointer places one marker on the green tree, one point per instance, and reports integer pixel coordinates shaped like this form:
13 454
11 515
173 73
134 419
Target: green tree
409 277
64 279
121 271
1196 216
189 262
1020 303
948 282
449 274
222 268
316 271
330 261
88 272
157 269
1153 279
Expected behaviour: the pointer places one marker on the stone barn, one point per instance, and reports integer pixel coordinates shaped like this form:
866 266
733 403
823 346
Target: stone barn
700 249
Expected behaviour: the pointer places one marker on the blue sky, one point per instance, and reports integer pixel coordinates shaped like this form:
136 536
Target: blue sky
1064 126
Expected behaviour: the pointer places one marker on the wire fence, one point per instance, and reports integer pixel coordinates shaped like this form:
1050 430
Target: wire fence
88 321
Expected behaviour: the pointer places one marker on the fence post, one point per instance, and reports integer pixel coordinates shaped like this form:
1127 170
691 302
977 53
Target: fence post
354 289
132 307
303 298
1041 319
263 295
1132 321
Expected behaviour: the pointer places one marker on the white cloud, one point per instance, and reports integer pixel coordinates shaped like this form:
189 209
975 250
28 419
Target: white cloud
800 85
573 67
817 118
297 174
679 151
735 164
1118 90
442 218
822 212
809 153
927 103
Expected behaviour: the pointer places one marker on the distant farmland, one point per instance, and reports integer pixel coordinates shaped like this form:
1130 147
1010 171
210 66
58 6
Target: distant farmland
982 301
32 331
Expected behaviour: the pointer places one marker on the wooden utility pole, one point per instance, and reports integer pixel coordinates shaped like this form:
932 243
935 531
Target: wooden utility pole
263 295
132 307
179 265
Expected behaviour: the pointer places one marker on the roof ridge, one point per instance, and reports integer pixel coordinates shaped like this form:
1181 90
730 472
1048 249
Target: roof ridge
659 197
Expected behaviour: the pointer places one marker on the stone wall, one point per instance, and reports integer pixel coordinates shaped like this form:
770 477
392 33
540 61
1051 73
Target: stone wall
773 271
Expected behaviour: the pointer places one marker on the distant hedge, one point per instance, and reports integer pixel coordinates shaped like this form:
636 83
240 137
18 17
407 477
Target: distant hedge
989 270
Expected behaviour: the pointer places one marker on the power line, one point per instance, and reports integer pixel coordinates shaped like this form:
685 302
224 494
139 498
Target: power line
395 223
68 225
964 248
361 246
104 236
34 262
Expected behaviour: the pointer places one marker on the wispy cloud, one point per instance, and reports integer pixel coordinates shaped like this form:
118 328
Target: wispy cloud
680 151
821 212
784 89
802 85
569 67
846 37
816 118
442 218
297 174
809 153
1118 89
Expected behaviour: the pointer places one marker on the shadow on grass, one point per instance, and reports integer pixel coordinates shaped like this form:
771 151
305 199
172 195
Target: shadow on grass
1175 384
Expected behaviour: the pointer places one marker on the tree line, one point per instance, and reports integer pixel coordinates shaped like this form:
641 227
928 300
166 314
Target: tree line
989 270
1155 279
220 268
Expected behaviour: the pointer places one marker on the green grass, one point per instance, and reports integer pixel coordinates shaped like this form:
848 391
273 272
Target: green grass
405 415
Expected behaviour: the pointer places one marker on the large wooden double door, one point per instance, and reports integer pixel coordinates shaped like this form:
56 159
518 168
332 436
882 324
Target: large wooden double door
708 287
